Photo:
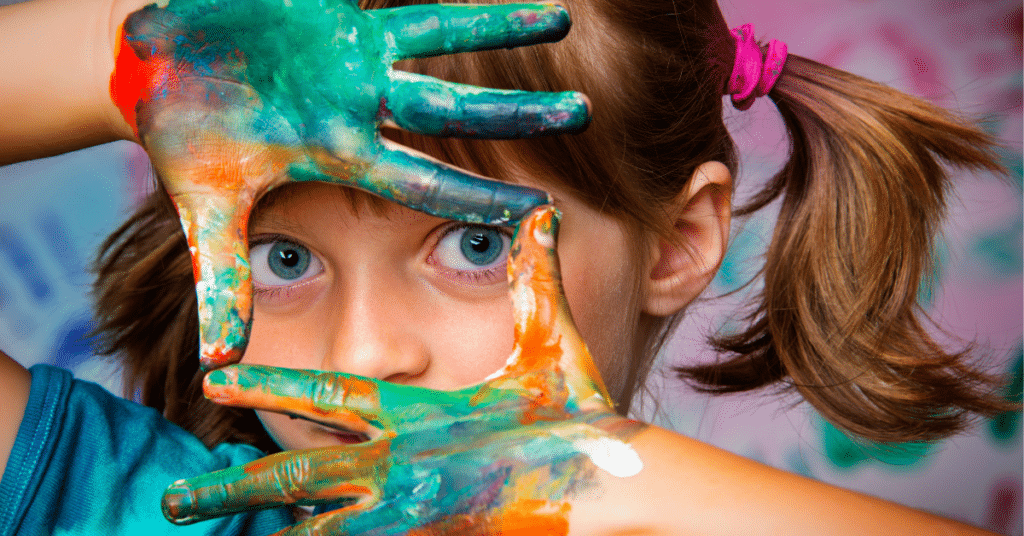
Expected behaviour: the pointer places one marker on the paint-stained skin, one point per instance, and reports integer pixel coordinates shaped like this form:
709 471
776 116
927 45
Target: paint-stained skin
458 462
233 98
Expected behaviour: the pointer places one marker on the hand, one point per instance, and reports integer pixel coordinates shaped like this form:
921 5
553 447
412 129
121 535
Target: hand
511 453
232 98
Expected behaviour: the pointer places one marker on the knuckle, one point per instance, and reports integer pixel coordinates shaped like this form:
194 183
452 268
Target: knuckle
291 476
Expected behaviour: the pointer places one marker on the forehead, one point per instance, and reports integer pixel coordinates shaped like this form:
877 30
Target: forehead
298 196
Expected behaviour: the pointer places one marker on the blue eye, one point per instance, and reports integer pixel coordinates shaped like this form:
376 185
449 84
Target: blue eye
481 245
472 248
281 262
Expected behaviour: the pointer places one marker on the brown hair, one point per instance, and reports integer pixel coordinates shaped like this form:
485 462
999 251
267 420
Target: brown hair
861 196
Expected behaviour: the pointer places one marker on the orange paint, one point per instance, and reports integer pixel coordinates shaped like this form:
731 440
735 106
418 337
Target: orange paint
534 518
522 518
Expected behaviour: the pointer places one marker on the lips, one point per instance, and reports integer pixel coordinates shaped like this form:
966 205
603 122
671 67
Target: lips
349 438
345 436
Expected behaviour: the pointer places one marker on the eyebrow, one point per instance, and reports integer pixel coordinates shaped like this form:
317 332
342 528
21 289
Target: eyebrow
263 213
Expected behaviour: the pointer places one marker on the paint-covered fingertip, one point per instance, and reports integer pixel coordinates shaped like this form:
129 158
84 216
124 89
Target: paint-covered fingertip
179 503
540 226
588 108
570 115
547 22
546 220
218 378
220 384
215 357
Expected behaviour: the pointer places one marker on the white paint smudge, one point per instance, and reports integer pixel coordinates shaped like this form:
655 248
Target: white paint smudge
614 456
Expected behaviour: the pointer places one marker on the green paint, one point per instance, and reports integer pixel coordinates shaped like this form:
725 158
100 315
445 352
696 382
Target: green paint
742 259
423 104
1001 249
443 457
443 453
432 30
306 84
843 452
1005 427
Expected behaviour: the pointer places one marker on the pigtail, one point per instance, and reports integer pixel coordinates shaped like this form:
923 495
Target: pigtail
863 194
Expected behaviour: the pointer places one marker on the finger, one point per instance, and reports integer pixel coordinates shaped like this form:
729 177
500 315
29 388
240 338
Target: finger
306 477
546 338
215 227
421 183
426 105
421 31
213 178
335 399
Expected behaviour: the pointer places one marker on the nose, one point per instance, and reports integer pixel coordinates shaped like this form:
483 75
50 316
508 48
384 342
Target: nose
374 331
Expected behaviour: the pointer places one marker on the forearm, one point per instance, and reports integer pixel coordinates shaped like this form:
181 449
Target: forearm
54 79
688 487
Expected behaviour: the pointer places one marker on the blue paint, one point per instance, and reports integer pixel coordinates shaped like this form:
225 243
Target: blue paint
74 344
17 253
55 232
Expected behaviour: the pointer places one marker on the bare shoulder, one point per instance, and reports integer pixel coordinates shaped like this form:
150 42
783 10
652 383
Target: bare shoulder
16 381
689 487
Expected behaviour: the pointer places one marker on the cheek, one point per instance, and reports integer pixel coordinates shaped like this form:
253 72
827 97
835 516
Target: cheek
602 311
598 276
283 341
467 344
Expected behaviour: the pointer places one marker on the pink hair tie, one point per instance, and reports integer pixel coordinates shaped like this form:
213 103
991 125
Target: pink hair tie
753 77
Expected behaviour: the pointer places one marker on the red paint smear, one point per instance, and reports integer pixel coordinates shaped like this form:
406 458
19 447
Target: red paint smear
527 17
837 53
218 357
134 80
1003 501
193 249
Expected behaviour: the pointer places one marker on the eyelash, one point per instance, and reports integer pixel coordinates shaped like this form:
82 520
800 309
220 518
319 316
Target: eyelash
486 276
273 292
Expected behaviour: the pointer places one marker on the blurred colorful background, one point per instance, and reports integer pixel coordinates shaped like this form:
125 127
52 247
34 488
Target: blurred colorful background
960 54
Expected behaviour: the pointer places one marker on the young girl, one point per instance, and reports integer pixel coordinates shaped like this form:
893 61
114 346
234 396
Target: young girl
348 283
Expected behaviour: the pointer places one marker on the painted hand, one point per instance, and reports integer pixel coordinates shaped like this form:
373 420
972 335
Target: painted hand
234 97
511 453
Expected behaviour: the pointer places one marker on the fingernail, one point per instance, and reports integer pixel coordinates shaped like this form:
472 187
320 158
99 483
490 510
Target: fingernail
547 225
178 504
218 378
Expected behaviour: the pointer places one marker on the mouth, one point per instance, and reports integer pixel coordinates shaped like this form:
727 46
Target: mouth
348 438
345 436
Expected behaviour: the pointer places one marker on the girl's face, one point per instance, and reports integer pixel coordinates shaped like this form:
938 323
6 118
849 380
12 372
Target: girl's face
405 297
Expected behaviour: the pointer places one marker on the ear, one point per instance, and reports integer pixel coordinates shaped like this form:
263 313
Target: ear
683 265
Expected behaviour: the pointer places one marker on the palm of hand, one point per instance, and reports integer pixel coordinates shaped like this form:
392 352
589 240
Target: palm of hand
511 453
233 98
